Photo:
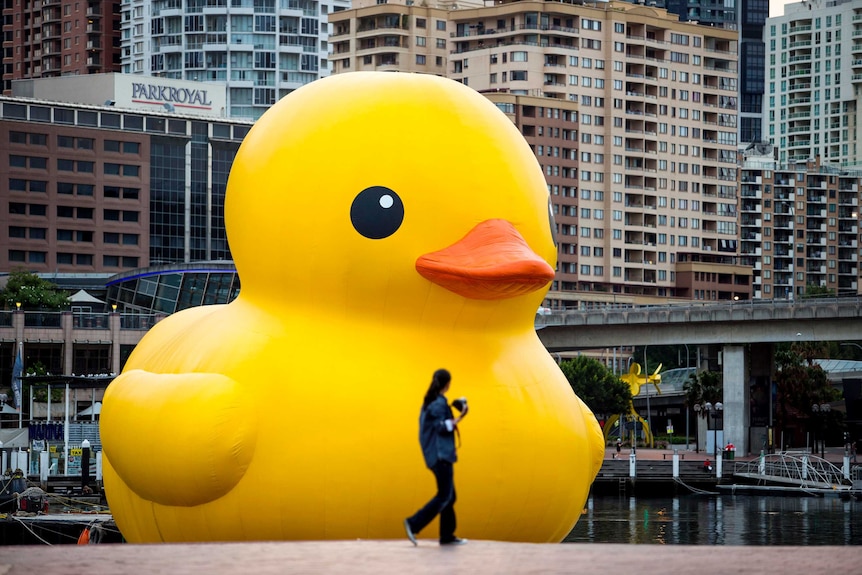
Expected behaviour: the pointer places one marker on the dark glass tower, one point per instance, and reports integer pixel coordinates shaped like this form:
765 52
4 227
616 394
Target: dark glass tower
752 66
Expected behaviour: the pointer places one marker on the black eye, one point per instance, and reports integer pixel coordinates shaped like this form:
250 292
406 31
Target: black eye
377 212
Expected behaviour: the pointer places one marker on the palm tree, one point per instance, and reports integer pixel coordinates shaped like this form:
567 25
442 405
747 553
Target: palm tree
701 388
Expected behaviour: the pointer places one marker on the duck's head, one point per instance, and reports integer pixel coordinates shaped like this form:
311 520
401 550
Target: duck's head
376 191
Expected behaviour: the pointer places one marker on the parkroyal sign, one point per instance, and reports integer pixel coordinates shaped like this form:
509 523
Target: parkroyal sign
179 97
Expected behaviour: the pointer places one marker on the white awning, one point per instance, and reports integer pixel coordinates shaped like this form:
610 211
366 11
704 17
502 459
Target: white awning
82 296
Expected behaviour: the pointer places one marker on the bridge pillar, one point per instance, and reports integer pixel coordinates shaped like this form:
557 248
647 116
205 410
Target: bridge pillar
737 401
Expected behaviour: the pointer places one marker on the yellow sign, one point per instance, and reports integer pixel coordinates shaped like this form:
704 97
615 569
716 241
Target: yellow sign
76 451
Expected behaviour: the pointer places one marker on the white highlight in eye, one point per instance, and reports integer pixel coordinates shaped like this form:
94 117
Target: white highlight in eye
386 201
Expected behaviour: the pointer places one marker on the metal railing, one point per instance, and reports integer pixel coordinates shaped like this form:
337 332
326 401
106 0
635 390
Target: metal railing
80 320
553 316
794 468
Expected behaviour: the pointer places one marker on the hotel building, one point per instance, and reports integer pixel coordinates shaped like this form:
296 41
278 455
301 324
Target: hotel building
114 181
260 49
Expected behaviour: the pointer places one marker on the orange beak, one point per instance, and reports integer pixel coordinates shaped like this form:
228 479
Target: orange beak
491 262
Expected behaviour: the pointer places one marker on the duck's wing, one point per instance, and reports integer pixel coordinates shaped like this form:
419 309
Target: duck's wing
178 439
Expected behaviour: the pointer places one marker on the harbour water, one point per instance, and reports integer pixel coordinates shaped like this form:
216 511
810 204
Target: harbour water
720 520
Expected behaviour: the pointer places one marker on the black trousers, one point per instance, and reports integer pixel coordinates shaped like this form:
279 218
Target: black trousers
443 504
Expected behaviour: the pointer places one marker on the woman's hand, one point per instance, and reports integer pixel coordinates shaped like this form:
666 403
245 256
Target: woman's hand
463 413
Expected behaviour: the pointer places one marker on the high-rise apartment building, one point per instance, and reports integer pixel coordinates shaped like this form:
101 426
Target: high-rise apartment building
748 18
261 49
799 227
632 115
813 77
397 37
44 38
654 189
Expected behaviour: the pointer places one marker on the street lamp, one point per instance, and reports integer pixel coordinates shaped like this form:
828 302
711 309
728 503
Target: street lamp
687 410
713 413
697 409
85 466
820 411
719 416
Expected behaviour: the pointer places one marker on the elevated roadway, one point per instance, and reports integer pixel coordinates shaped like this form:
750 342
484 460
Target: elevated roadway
731 323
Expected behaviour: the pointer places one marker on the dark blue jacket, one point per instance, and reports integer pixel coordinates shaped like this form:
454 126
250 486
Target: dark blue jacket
437 442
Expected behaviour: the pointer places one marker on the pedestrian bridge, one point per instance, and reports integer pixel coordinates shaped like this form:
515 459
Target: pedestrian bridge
794 468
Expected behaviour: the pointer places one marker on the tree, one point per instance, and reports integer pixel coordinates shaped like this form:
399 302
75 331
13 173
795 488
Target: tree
31 291
594 383
703 387
812 291
799 384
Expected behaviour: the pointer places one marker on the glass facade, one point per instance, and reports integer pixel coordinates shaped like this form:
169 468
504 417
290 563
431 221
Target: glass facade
174 288
169 180
167 200
117 197
752 64
198 225
223 154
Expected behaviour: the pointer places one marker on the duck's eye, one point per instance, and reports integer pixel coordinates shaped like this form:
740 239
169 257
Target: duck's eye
552 221
377 212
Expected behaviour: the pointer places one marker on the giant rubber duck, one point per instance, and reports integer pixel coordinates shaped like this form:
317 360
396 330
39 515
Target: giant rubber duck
383 225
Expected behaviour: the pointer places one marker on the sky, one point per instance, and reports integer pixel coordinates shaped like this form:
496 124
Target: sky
776 7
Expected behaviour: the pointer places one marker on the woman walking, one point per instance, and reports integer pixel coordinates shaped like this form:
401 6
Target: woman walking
437 428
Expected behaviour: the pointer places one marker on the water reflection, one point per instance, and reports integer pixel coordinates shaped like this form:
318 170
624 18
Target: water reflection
724 520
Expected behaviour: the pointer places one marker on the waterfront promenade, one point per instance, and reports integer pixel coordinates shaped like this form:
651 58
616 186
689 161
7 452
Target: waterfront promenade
399 556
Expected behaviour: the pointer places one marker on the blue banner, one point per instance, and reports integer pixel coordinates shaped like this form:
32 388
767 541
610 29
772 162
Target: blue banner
17 372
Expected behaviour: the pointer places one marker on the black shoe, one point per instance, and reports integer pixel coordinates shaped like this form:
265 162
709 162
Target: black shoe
454 541
409 531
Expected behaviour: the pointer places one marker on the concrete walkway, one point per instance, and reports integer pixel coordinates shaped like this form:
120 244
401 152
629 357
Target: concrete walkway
385 557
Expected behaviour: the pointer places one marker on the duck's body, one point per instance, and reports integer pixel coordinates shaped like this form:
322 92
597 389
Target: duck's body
292 413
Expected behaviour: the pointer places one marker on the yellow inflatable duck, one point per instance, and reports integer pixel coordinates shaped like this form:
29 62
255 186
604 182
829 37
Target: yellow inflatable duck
383 225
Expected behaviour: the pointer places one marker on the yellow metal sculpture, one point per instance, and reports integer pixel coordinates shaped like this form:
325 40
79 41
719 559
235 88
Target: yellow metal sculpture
635 381
384 225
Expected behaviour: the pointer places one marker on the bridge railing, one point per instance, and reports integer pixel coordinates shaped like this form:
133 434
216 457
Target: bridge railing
793 466
614 313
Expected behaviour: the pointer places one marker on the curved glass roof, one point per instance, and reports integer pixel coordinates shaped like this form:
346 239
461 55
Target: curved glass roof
174 287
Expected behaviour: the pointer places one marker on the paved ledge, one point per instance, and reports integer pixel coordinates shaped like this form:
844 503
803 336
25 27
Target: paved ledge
384 557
